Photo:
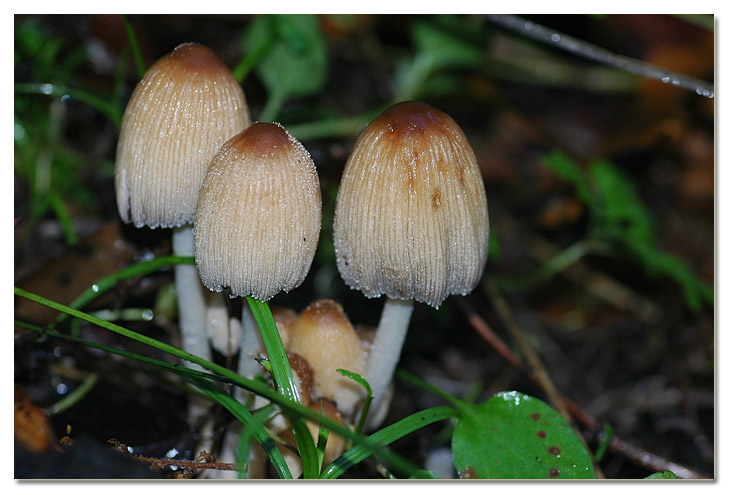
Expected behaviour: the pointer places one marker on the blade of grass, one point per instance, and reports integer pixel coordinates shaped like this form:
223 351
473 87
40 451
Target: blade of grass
285 384
386 436
244 416
110 281
368 399
59 90
136 52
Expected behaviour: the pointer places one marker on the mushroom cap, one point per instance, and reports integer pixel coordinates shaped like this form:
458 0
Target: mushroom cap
259 214
181 112
411 216
324 336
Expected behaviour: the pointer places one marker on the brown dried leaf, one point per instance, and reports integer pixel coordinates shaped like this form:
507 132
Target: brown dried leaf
32 429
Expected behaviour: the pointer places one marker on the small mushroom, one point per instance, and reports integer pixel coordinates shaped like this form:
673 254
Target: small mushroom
184 108
410 222
324 336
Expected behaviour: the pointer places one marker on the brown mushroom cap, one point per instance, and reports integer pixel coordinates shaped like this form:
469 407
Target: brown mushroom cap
324 336
259 214
411 216
181 112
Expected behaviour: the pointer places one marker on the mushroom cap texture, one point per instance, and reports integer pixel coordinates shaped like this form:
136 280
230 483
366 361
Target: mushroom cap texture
324 336
411 217
259 214
185 107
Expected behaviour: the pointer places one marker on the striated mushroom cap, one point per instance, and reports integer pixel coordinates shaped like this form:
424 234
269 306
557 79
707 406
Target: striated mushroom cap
324 336
259 214
411 217
185 107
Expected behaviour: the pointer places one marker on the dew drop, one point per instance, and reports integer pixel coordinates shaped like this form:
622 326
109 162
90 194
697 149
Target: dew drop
666 79
95 288
555 37
47 89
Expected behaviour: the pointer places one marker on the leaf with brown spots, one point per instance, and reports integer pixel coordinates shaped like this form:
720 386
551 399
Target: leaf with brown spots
516 436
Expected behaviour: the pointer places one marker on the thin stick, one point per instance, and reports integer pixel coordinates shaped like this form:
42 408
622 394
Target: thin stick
191 465
598 54
541 376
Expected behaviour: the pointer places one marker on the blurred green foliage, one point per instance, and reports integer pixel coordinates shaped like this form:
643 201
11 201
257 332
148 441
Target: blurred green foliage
621 224
290 57
49 166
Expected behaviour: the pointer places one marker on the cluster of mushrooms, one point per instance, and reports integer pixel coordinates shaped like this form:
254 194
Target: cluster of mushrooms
244 199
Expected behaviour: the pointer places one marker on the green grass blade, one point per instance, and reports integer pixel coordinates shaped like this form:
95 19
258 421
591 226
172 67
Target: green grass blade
110 281
244 416
386 436
59 90
136 52
285 384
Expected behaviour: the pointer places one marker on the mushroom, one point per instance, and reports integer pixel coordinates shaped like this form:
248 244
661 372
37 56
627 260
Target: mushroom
410 222
324 336
258 220
181 112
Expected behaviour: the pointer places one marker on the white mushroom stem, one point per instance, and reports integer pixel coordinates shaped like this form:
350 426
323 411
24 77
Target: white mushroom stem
251 347
190 297
386 348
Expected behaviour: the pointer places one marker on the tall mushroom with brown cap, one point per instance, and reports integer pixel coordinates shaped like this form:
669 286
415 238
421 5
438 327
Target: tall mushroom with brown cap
258 218
185 107
410 222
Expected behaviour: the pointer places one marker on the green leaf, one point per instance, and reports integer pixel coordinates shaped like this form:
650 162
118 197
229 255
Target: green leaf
294 63
516 436
695 291
445 48
623 214
565 168
437 48
666 475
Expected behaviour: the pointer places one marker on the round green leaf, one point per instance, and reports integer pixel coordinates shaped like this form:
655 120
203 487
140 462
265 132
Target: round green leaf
516 436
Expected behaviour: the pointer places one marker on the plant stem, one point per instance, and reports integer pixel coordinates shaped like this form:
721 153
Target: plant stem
387 345
598 54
